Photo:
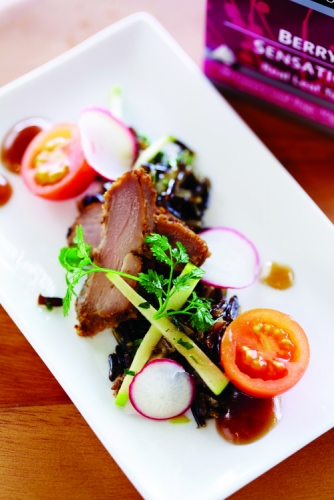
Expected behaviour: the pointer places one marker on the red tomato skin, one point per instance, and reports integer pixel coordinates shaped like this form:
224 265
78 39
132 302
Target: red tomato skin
258 387
80 176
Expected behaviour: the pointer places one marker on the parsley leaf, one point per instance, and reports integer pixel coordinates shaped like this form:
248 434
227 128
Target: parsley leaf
181 282
153 282
180 254
201 318
159 246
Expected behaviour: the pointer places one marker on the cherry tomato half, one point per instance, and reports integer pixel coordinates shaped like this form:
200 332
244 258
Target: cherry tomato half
53 165
264 352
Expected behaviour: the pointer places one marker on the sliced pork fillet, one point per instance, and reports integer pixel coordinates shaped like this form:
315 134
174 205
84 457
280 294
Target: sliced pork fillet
90 218
127 218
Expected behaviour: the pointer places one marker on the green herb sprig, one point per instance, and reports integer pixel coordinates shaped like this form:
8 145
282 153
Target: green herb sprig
78 264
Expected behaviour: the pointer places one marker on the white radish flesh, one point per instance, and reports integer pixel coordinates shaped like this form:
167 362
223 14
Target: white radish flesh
162 390
109 145
234 260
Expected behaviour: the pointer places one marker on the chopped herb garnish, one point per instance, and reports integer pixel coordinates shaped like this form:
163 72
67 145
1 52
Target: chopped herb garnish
135 345
143 141
129 372
194 359
185 344
186 157
144 305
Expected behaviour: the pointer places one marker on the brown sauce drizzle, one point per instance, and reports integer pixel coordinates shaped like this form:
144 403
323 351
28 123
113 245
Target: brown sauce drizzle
49 302
247 419
279 276
17 139
5 190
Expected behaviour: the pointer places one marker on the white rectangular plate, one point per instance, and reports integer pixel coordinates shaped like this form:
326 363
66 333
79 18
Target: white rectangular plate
165 93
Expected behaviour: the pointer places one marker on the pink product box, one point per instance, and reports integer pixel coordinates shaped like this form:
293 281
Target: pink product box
281 51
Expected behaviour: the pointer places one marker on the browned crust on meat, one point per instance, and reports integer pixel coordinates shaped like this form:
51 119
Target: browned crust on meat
175 230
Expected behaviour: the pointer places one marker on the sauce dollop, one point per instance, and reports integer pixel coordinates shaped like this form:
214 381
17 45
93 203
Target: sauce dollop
247 419
5 190
279 276
17 139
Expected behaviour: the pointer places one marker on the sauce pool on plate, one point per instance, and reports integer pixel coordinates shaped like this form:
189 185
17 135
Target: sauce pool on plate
279 276
13 147
17 139
247 419
5 190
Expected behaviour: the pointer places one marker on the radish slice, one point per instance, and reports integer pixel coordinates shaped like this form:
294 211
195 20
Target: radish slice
234 260
109 145
162 390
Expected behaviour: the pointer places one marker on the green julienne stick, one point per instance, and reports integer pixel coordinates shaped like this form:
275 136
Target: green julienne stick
206 369
152 338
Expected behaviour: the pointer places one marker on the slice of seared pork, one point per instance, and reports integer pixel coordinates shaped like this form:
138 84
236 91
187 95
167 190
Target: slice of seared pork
117 229
90 218
127 218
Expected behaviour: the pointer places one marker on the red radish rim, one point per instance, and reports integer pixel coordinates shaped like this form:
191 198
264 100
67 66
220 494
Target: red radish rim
191 384
250 243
